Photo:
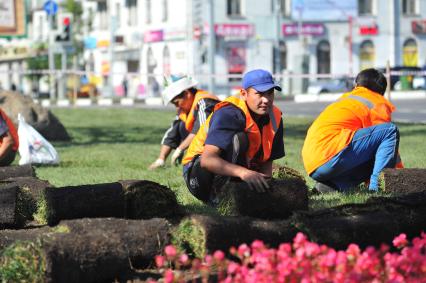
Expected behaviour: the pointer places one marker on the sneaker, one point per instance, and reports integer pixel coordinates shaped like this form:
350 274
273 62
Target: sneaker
323 188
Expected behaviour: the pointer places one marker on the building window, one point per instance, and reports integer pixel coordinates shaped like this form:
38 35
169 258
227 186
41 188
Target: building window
285 8
165 11
410 53
366 55
132 9
166 61
323 57
234 8
409 7
103 15
148 18
365 7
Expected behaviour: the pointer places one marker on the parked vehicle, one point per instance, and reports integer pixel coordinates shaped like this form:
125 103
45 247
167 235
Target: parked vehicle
404 78
338 85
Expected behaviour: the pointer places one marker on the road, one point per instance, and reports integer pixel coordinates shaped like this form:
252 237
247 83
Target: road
407 110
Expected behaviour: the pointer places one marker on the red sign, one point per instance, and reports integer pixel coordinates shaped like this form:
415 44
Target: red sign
153 36
368 30
418 27
234 30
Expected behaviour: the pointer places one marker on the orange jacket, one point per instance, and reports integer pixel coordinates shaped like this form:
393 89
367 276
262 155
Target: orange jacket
189 118
256 139
334 128
12 130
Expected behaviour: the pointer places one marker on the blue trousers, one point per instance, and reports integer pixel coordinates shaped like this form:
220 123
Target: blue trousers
371 150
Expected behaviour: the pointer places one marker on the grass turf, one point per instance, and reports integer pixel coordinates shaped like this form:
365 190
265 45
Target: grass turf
111 144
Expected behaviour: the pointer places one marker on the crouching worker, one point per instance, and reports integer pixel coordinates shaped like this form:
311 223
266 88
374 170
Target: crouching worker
353 139
240 139
8 139
193 107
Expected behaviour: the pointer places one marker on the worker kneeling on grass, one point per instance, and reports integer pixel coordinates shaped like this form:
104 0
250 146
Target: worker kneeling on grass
240 139
353 139
193 107
9 141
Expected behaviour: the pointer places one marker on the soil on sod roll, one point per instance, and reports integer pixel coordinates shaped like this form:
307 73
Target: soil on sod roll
16 171
283 197
146 199
9 217
403 181
285 172
143 238
94 250
98 200
199 235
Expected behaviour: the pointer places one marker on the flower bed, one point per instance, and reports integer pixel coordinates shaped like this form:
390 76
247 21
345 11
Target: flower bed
301 261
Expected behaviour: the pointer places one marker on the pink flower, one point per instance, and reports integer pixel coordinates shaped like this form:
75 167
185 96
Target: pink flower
219 255
184 259
159 261
170 251
400 241
243 250
169 276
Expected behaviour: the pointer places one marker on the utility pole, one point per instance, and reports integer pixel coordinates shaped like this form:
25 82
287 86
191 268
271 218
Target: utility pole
277 59
212 49
112 28
51 55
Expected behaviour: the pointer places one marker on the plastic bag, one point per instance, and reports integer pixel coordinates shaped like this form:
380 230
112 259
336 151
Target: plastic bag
33 147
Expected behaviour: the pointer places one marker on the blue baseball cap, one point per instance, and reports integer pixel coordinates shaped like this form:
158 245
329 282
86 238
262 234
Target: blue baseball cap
260 80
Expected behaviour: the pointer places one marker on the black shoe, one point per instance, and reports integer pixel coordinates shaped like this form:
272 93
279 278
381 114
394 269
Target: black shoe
323 188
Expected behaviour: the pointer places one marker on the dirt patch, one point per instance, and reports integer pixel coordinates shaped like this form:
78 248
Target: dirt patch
403 181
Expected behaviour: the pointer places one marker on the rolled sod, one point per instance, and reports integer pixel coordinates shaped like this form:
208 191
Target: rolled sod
90 250
371 224
16 171
283 197
199 235
131 199
146 199
403 181
285 172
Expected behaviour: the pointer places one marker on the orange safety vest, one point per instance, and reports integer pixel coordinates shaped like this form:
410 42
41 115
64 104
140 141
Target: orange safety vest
335 127
12 130
256 139
189 118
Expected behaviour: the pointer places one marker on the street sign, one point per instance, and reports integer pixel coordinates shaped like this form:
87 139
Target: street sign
50 7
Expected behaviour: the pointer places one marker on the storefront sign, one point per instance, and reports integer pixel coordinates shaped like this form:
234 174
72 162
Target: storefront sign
418 27
368 30
153 36
320 10
174 34
307 29
234 30
102 43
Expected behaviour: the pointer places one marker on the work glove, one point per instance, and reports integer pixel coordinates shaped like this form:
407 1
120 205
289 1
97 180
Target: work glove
156 164
177 157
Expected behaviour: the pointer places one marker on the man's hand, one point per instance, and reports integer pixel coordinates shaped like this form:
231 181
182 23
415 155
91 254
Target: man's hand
255 180
156 164
176 157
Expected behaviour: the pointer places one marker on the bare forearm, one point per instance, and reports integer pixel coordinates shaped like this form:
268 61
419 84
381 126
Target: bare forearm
164 152
186 142
6 146
220 166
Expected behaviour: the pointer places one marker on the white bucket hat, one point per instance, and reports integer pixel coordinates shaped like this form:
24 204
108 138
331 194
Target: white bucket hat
173 86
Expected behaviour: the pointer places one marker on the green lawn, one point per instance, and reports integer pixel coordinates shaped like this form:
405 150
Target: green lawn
111 144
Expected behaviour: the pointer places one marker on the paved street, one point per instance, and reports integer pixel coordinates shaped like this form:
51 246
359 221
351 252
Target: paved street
409 110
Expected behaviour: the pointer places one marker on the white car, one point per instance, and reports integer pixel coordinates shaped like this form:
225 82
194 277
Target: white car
339 85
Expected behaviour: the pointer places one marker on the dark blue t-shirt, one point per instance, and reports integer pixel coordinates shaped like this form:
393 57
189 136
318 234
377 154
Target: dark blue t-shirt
229 120
3 127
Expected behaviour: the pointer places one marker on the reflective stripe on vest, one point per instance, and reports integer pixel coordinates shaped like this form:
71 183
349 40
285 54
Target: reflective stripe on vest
361 99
